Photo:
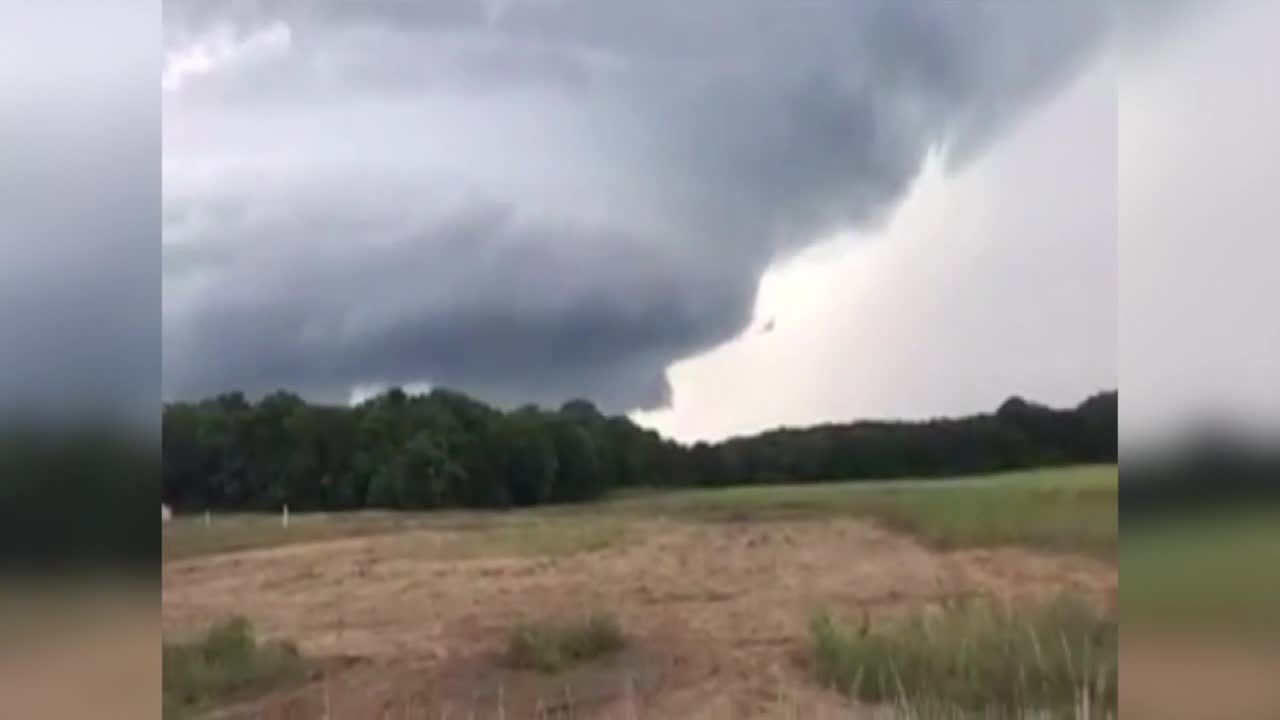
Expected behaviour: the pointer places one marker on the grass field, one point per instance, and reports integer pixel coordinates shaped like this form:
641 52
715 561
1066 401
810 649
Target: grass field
1062 508
709 596
1198 606
1204 570
1071 509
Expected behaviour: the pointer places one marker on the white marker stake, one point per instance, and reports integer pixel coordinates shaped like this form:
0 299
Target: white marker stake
284 518
207 520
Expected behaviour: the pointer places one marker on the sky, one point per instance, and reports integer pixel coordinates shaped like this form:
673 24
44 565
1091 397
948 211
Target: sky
719 217
994 281
1198 225
80 206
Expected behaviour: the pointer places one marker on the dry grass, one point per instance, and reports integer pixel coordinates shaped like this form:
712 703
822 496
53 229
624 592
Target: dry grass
715 586
535 537
726 603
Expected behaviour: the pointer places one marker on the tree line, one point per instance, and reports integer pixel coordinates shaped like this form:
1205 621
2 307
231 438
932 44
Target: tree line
444 449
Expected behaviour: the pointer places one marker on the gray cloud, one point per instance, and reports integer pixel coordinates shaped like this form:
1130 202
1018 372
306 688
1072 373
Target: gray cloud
551 199
79 213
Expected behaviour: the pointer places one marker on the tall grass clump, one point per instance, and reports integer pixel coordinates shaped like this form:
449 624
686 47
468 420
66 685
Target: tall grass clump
548 646
225 664
977 658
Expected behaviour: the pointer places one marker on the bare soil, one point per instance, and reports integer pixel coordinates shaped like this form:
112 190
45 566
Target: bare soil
1185 675
717 614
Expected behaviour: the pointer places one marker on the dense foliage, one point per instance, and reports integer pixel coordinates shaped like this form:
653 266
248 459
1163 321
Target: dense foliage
72 498
445 449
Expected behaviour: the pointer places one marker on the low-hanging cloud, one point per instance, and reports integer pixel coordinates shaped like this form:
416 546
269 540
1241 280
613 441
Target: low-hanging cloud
546 199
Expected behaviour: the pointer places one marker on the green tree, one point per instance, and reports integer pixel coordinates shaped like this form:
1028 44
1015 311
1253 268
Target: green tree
382 490
425 474
526 457
446 449
578 474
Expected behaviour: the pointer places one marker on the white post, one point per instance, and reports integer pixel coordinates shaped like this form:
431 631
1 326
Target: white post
207 520
284 518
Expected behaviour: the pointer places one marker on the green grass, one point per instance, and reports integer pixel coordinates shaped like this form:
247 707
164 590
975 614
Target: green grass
188 536
1213 571
475 534
549 647
228 663
976 659
1071 509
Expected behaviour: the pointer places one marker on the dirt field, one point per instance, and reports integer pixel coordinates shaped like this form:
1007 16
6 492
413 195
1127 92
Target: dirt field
717 613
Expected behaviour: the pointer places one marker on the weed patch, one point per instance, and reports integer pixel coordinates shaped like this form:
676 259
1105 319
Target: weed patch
552 646
976 658
226 664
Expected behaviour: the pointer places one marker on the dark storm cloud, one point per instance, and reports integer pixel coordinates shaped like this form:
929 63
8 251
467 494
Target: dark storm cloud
79 213
542 199
549 324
